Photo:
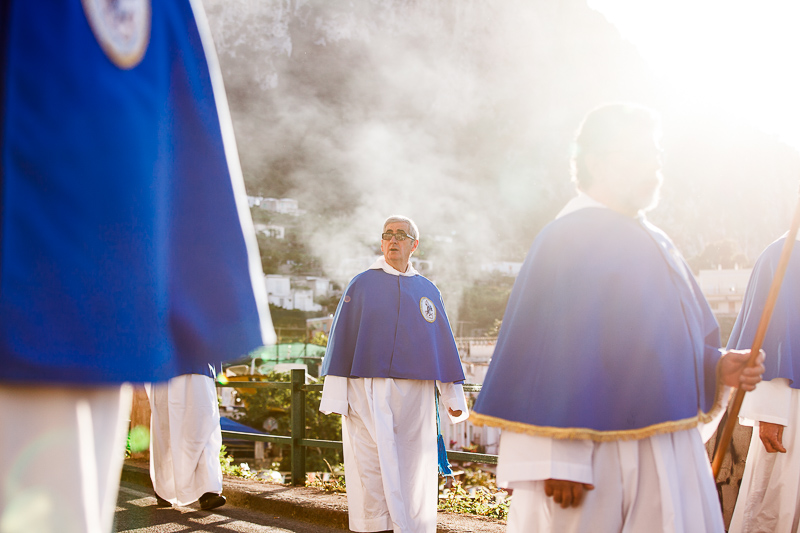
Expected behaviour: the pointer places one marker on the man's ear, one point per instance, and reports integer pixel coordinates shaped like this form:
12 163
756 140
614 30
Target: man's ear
416 243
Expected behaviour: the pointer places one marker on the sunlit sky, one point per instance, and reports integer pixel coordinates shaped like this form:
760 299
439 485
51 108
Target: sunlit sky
740 57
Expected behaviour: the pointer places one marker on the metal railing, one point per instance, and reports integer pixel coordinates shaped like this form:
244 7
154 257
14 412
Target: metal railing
297 441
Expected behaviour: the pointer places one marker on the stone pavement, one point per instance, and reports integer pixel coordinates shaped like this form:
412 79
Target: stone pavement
137 512
730 475
303 503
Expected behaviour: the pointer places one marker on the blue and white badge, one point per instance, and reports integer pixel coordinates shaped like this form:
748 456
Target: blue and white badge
427 309
122 27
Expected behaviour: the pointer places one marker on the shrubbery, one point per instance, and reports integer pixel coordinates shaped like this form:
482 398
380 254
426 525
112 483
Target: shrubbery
276 403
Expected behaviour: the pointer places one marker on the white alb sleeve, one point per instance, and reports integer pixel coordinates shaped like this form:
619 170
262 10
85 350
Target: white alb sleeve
707 429
334 396
526 457
770 402
451 396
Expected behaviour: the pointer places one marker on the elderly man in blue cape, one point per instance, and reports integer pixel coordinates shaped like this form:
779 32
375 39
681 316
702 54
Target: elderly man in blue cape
769 495
126 249
608 357
390 347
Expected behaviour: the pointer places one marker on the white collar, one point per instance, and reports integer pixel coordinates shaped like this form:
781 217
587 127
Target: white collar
381 264
583 201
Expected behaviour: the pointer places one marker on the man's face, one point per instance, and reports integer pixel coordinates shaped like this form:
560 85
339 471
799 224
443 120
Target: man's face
630 172
397 252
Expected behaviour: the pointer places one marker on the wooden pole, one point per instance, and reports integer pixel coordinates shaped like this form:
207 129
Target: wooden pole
766 315
140 417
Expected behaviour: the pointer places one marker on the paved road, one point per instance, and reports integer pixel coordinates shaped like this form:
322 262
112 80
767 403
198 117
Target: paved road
137 513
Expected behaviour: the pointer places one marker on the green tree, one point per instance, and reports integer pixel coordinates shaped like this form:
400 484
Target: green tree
725 253
494 331
320 338
484 303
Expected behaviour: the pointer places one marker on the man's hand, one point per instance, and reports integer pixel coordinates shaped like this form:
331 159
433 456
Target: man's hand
734 372
772 437
453 413
567 493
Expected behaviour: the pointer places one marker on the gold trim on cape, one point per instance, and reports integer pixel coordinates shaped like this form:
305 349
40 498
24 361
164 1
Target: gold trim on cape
669 426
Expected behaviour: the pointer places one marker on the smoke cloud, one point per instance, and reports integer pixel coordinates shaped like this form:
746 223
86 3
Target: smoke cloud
458 114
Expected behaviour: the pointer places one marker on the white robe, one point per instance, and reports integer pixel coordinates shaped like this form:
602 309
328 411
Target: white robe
61 453
390 451
661 483
185 438
769 495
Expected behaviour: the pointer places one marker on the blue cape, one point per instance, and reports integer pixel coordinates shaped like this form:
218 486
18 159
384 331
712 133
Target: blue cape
782 341
122 257
606 336
390 326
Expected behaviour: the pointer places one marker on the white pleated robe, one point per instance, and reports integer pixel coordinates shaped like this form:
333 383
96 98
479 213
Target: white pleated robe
390 450
661 483
769 495
185 438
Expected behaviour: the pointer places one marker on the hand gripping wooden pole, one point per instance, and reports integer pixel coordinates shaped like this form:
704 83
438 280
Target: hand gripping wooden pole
766 315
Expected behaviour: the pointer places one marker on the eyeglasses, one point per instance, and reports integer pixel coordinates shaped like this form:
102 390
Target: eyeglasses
400 236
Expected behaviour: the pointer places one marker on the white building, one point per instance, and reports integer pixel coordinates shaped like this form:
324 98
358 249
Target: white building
304 300
279 291
296 293
286 206
321 286
275 232
278 285
724 288
322 324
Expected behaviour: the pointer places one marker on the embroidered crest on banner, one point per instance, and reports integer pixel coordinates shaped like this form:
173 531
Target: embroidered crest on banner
427 309
122 27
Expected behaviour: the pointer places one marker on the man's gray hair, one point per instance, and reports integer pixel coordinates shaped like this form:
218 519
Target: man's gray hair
412 228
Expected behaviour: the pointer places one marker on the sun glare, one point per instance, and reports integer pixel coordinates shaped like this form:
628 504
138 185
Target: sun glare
740 57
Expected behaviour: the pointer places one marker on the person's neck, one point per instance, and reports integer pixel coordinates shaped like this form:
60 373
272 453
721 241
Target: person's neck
611 201
397 266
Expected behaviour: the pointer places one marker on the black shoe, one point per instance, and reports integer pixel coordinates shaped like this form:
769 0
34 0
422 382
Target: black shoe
211 500
161 502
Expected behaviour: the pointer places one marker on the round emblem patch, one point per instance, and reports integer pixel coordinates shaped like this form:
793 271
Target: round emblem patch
427 309
122 27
